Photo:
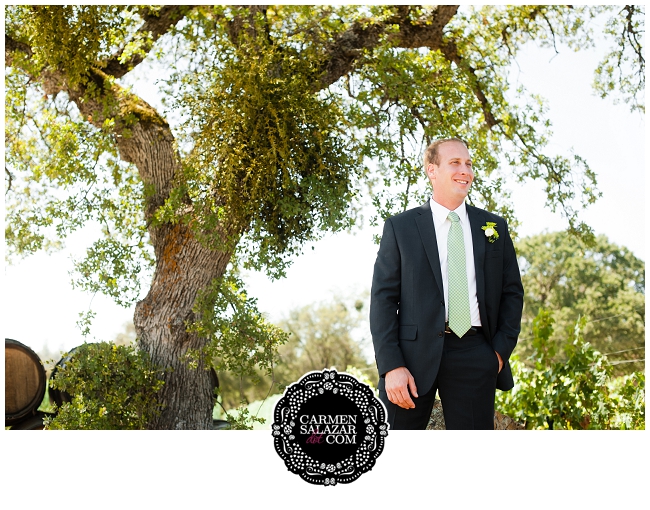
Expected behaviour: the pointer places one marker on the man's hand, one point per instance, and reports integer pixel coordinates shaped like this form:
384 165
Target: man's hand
500 362
398 382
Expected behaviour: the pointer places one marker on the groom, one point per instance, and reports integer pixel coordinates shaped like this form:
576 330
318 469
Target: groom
446 302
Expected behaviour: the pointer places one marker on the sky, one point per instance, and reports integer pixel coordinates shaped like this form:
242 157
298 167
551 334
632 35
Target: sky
40 309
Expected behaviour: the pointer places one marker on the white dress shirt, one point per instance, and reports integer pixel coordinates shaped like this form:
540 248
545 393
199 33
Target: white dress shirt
442 224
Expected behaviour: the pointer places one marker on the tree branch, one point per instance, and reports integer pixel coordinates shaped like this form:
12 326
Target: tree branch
10 176
12 46
450 51
240 24
156 24
426 32
630 33
345 51
142 136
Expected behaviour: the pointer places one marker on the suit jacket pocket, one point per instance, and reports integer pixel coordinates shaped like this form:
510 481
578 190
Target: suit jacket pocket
408 332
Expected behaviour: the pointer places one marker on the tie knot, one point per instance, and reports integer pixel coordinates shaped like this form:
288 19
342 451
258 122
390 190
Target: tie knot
453 216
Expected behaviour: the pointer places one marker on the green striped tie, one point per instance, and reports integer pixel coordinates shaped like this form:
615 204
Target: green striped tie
459 316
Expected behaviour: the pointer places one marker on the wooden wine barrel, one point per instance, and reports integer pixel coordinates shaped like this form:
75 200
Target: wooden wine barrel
24 382
220 425
32 422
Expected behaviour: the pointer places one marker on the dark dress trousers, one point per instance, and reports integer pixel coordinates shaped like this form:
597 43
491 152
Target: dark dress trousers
407 310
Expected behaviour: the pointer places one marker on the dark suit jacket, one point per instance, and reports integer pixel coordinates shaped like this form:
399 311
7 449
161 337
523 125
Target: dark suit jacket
407 312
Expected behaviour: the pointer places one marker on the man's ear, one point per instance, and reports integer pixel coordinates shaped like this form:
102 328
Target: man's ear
431 170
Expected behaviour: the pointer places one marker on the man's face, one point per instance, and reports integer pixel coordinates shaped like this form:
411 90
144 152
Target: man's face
453 176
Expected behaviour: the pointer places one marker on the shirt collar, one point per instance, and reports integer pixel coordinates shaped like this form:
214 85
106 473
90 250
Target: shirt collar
440 212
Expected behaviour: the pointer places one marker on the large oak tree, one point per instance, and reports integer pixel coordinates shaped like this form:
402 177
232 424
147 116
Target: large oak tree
270 122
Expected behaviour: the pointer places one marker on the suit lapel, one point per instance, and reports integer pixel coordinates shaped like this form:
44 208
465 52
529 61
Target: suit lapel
478 244
428 236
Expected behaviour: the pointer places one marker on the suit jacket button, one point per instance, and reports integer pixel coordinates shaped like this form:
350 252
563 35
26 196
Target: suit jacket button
442 303
439 333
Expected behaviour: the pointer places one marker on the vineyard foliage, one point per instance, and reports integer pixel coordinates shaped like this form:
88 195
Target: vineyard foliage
575 391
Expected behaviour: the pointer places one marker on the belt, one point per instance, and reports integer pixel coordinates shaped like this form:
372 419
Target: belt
474 330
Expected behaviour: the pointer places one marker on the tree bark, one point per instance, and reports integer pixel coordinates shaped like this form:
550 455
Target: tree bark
183 267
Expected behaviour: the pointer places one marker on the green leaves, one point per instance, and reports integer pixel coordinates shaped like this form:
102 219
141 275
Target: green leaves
269 156
399 101
113 268
321 336
265 155
72 38
575 393
313 337
239 339
629 392
112 387
542 330
621 73
65 173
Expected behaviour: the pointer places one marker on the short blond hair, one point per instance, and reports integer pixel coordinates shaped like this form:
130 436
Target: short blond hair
432 152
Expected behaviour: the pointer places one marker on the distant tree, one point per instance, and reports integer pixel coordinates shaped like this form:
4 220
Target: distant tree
49 357
127 336
320 336
602 282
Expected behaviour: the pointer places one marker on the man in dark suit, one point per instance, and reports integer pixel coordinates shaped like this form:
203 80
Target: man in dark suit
446 302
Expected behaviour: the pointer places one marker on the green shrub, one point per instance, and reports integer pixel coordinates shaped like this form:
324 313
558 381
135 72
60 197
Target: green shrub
629 395
575 393
112 387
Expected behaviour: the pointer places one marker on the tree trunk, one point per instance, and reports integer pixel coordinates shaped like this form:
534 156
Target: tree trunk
183 265
183 269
